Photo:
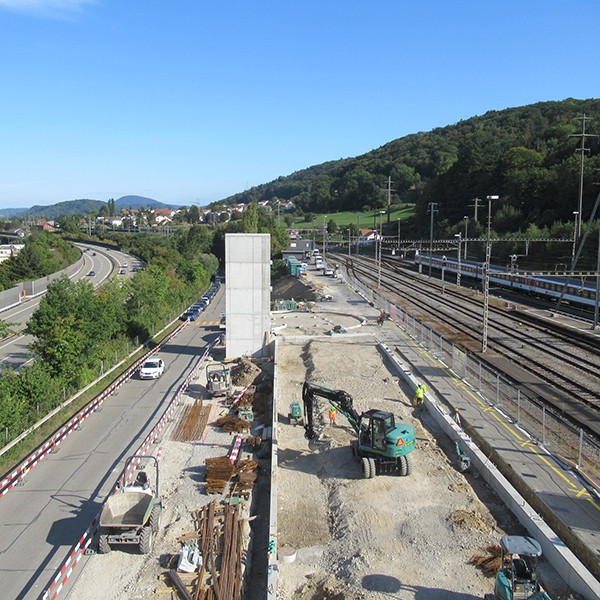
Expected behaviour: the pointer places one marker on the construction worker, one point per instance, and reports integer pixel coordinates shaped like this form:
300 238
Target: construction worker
332 415
419 394
457 417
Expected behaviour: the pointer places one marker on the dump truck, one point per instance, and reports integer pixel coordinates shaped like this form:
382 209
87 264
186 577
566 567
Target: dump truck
218 380
131 515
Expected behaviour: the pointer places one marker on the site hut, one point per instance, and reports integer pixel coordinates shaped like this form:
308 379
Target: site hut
299 249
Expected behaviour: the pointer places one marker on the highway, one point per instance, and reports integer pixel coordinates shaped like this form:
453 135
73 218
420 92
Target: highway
14 351
42 520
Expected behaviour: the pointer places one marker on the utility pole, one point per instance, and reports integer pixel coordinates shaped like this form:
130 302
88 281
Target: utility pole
582 150
466 218
379 237
390 189
476 202
459 236
486 275
432 210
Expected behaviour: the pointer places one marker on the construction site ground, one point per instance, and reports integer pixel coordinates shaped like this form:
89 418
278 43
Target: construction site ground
352 538
386 537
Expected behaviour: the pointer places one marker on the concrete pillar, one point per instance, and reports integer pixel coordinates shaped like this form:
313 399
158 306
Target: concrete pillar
247 293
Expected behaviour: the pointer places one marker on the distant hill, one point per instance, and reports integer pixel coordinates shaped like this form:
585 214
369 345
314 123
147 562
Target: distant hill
527 156
142 202
12 212
67 208
83 207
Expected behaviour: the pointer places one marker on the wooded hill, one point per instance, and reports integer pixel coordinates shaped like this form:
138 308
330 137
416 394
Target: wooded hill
527 155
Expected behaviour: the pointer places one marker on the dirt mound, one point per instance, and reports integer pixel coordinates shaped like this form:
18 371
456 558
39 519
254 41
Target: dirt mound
291 288
244 372
469 520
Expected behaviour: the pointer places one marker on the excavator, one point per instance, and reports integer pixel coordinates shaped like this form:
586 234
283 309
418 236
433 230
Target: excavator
383 446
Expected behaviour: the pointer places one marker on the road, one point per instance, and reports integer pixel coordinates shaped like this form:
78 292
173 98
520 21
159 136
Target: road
14 351
42 520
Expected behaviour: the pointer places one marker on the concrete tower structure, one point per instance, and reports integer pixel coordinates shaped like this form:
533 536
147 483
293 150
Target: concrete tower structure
247 293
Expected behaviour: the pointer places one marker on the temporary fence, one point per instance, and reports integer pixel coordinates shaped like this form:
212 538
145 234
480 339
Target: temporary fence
571 444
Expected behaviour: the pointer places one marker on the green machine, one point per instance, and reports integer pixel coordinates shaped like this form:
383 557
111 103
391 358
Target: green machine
295 414
518 577
383 446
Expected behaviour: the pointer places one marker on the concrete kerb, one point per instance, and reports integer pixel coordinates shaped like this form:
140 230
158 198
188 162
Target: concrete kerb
560 557
273 567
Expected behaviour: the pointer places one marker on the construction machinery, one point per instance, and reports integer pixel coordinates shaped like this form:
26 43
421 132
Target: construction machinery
131 515
218 380
383 446
295 414
518 577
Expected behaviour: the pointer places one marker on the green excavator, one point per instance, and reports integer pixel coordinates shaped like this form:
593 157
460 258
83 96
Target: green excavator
383 446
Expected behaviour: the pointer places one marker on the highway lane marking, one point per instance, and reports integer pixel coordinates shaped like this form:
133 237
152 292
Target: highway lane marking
12 341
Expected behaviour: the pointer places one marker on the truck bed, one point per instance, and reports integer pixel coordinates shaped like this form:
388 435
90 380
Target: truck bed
126 509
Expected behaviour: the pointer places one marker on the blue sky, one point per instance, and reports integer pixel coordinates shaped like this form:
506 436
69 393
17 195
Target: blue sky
189 101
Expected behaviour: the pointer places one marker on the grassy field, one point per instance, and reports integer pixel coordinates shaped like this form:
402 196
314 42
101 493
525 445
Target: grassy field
364 220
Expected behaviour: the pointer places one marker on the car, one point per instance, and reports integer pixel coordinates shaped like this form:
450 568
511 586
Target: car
91 273
125 264
152 368
93 254
329 272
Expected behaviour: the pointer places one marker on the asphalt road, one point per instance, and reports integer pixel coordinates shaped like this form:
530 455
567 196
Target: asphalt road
14 351
42 520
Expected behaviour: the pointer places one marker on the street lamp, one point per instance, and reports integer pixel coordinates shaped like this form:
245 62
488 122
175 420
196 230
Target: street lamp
398 235
459 236
486 275
466 218
357 232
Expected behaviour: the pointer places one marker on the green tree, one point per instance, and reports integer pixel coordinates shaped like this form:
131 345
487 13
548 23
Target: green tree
250 220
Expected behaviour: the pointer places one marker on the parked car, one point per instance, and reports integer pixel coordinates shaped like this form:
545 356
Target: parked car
152 368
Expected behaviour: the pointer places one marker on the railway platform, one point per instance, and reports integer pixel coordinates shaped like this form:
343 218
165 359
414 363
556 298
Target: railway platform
568 502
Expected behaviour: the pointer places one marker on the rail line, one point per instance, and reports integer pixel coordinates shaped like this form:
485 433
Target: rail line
569 366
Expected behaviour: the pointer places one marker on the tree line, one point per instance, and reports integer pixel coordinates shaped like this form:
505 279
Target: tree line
529 156
80 332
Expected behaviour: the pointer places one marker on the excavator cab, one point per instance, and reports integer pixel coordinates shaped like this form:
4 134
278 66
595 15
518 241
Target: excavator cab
380 423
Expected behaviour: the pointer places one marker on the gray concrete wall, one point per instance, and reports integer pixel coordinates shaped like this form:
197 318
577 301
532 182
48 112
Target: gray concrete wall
247 293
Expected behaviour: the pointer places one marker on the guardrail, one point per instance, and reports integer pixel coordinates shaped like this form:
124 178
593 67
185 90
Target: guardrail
30 289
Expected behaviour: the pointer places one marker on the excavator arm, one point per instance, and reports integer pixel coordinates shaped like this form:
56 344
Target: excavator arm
339 399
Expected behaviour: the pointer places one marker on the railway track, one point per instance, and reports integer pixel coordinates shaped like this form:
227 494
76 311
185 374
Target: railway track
568 366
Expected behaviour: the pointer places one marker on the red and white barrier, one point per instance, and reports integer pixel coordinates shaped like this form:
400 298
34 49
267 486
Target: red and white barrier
237 444
69 565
